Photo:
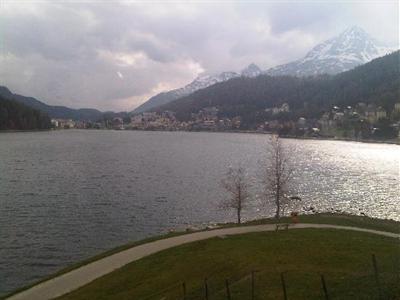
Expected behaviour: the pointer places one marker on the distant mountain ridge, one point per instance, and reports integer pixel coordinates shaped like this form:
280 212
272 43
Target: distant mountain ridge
57 112
252 70
201 82
351 48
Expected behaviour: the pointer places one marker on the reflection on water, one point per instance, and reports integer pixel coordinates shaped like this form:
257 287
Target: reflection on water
67 195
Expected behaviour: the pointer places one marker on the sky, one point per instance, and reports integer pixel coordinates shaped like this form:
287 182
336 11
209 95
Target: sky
115 55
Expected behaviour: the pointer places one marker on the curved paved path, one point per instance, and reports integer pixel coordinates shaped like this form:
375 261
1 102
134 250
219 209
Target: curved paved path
79 277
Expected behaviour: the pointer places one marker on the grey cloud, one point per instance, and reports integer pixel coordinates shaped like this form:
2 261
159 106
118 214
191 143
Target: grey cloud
70 53
59 34
304 16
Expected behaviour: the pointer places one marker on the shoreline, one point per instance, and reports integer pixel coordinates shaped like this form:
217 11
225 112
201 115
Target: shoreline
369 141
322 138
391 142
25 130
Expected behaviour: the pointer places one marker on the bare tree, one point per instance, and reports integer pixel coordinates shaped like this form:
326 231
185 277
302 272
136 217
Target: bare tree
236 184
278 176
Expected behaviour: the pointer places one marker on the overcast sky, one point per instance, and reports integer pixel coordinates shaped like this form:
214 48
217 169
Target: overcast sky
114 56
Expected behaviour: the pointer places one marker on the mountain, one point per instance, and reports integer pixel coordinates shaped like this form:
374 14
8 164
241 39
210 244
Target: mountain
376 82
251 71
57 112
204 81
17 116
351 48
201 82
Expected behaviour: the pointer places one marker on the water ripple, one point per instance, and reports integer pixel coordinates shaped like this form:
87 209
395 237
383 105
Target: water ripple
68 195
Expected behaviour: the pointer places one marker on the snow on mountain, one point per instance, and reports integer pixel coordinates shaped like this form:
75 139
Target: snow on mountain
251 71
351 48
201 82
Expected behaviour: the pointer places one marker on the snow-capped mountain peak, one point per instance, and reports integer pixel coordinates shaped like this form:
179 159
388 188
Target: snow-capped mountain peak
351 48
200 82
251 70
203 80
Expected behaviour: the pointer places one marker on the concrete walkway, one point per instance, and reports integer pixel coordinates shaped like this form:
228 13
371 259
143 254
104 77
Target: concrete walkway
79 277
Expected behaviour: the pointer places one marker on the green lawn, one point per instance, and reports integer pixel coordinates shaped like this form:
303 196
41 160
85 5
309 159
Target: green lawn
322 218
344 257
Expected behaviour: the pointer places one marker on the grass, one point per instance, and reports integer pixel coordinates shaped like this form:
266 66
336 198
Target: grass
323 218
94 258
344 257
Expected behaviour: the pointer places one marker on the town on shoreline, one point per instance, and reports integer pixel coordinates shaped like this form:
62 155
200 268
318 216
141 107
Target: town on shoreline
367 123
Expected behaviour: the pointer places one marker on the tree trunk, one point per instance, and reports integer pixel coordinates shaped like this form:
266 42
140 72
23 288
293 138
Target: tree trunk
278 204
278 209
239 208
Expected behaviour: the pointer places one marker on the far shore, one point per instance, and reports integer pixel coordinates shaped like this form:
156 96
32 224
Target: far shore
322 138
25 130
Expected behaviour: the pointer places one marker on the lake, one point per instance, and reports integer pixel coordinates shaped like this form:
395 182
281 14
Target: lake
68 195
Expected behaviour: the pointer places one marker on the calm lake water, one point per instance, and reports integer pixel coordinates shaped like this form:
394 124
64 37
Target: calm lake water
68 195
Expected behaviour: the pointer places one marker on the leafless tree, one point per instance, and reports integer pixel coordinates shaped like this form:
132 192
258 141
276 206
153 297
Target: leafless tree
278 175
236 184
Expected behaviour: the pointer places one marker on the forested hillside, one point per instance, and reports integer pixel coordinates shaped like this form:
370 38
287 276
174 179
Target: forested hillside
375 82
57 112
17 116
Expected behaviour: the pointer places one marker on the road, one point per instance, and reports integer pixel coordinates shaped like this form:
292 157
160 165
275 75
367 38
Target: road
81 276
